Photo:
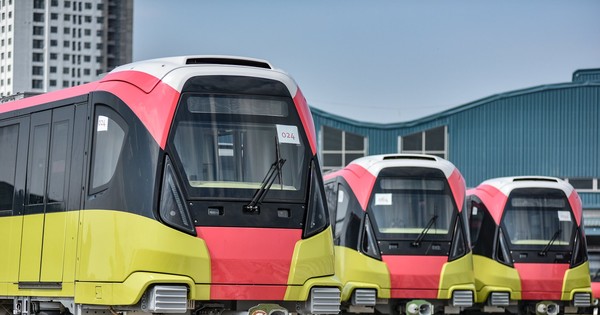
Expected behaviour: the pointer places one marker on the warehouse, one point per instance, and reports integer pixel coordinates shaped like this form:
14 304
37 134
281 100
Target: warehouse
550 130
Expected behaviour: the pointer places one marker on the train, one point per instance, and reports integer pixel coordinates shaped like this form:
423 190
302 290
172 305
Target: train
401 235
529 247
185 184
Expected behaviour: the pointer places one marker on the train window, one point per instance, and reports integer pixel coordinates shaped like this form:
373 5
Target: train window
37 167
58 151
228 144
477 212
330 193
343 202
237 105
109 135
537 217
407 206
8 163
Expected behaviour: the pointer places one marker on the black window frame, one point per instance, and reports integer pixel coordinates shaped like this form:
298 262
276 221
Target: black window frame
104 110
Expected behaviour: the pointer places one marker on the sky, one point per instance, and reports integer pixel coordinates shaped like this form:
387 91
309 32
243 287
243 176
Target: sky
384 61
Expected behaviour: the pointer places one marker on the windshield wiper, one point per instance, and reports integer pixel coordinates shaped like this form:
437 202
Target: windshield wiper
267 182
417 242
552 240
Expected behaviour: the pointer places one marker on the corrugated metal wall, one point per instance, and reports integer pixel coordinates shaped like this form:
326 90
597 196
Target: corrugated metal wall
550 130
553 133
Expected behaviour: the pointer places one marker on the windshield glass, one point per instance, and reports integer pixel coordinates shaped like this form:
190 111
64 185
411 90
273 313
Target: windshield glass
228 144
533 217
403 207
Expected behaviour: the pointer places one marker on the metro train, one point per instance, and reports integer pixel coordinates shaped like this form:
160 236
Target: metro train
529 247
401 235
177 185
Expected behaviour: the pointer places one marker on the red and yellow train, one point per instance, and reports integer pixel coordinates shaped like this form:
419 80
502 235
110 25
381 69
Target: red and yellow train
401 235
175 185
529 247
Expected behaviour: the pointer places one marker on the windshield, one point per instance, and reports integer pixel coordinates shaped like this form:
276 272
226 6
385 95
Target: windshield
404 207
534 217
228 144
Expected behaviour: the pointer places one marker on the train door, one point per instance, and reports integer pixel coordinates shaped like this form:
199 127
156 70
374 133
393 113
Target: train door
45 218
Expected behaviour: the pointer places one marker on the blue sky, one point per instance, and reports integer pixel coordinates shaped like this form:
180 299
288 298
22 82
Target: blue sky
384 61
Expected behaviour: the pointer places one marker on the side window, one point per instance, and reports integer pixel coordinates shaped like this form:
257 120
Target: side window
38 163
330 194
9 136
109 135
476 213
343 201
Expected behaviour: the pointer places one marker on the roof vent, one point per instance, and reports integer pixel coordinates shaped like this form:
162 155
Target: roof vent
538 179
586 75
228 61
409 157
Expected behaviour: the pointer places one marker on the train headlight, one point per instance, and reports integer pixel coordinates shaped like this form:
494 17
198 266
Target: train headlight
173 210
317 218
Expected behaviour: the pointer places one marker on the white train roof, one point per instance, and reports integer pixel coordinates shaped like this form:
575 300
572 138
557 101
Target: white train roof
375 163
507 184
175 71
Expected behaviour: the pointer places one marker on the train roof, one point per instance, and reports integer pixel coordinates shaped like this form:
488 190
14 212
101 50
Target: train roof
163 69
494 192
375 163
147 74
507 184
362 173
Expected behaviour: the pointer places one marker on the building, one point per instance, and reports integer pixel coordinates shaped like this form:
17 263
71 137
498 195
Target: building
551 130
47 45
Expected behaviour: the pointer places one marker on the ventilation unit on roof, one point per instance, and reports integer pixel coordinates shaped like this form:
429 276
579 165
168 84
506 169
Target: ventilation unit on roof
539 179
409 157
227 61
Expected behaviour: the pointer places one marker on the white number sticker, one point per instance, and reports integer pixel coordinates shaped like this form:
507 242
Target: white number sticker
383 199
564 216
340 196
287 134
102 123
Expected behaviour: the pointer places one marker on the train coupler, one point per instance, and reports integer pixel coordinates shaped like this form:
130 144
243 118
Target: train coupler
268 309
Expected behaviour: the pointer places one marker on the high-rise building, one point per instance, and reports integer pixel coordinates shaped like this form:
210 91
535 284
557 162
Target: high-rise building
47 45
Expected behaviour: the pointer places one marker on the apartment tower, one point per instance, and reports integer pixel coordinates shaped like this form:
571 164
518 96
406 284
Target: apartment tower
47 45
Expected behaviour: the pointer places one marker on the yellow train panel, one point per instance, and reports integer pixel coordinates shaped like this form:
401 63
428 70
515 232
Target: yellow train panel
301 292
360 271
115 244
131 290
492 276
59 244
66 290
10 247
31 248
456 275
312 256
577 280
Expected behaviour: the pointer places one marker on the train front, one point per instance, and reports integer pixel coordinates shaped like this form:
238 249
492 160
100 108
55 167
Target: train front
529 247
241 173
414 225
